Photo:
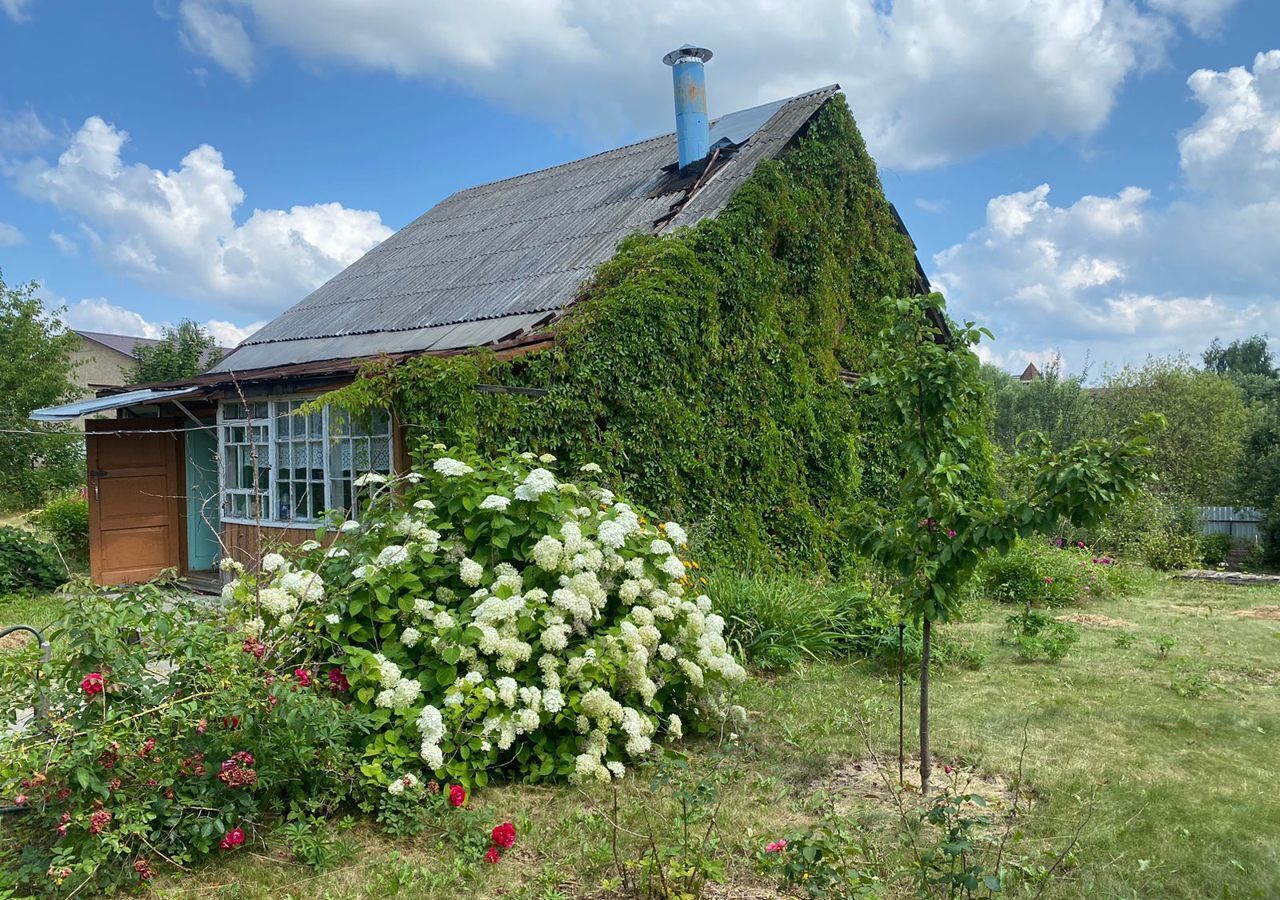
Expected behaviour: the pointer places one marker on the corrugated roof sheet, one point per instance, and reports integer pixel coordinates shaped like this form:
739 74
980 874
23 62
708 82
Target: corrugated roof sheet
513 251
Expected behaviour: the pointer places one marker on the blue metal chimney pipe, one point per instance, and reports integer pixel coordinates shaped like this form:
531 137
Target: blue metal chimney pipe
693 131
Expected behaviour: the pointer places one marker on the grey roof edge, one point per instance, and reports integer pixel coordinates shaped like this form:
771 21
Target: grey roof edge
69 412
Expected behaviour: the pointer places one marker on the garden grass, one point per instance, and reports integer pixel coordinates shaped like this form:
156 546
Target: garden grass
1172 793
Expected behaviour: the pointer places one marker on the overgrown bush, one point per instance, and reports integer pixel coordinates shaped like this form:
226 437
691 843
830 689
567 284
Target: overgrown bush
66 519
167 738
28 562
1160 530
1045 572
1214 549
1037 635
491 616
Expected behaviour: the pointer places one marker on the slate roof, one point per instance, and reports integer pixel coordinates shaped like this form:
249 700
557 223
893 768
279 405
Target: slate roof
128 344
501 259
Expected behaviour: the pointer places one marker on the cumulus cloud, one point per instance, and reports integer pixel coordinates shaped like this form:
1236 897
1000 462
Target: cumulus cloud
10 236
175 231
210 31
930 80
99 314
1124 276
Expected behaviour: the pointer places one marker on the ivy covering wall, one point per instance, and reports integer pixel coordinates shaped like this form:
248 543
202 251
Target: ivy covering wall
702 369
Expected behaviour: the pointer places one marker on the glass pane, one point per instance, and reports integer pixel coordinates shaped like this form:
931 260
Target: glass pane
381 454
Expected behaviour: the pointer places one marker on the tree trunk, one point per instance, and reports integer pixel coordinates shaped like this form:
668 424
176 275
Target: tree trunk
902 628
925 758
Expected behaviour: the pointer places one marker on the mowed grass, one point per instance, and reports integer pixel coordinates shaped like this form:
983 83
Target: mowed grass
1166 766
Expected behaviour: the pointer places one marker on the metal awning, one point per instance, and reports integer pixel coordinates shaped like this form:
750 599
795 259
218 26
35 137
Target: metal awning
72 411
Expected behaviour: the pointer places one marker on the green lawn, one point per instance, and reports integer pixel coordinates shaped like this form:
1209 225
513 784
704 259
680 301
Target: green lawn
1166 766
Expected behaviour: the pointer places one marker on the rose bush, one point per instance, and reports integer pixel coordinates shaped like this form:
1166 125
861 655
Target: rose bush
164 742
490 615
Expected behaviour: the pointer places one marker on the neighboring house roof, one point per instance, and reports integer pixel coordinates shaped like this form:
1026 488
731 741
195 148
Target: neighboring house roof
1030 373
495 261
128 344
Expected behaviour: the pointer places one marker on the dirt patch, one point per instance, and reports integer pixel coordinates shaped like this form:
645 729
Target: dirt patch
1259 612
1252 676
1093 620
874 779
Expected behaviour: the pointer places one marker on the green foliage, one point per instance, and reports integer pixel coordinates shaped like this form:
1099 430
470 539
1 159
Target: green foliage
26 562
1056 404
1039 636
1242 357
703 369
1214 549
1197 453
66 519
480 601
167 737
947 519
35 371
181 352
1041 573
832 860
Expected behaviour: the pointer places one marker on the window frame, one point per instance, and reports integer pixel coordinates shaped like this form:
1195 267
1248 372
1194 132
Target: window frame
268 492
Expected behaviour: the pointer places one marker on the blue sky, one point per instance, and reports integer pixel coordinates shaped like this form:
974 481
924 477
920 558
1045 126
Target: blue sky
1099 178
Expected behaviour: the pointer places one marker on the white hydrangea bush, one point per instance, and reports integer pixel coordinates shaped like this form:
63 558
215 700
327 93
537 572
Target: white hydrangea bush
492 615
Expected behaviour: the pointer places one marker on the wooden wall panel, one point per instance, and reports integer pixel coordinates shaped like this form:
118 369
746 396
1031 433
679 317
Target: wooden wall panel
248 543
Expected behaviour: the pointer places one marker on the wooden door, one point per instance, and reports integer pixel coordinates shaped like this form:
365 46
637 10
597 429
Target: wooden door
134 487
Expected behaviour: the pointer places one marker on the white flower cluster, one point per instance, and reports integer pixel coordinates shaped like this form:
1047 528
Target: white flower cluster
568 619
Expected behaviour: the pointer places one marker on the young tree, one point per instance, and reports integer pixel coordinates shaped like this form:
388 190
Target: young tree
35 371
932 540
181 353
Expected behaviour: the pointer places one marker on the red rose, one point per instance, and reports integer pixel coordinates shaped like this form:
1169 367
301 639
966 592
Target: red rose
492 855
504 835
93 683
338 681
457 796
233 838
303 676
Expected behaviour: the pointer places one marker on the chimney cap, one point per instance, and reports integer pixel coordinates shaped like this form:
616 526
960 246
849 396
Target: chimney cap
688 50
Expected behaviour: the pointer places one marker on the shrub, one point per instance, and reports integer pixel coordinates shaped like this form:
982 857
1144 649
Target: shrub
1170 550
1214 549
66 519
28 562
168 741
1052 573
1162 531
482 601
1038 635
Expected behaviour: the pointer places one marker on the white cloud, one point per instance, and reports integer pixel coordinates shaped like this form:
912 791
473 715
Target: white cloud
930 80
1203 17
23 133
1234 150
10 236
210 31
1124 278
99 314
15 9
175 231
66 246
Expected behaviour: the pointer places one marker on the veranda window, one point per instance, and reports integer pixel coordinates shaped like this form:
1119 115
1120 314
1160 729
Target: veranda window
283 467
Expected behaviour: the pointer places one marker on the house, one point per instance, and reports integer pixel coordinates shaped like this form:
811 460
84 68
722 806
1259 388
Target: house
103 360
225 463
1029 374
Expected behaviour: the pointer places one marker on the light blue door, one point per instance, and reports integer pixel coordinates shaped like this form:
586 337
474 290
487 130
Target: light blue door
203 508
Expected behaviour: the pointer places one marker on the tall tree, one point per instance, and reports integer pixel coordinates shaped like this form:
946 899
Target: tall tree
933 536
1243 356
181 352
35 371
1055 404
1196 456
